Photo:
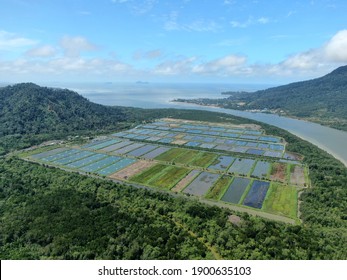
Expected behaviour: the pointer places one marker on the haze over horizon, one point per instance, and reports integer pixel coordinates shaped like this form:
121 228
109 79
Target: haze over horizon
226 41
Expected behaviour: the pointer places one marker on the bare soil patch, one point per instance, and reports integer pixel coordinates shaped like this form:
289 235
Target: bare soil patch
185 181
248 126
179 136
133 169
297 177
278 172
179 142
235 220
295 156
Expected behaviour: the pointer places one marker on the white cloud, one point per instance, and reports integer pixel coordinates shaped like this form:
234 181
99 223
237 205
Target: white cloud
171 21
89 66
73 46
153 54
307 64
43 51
137 7
313 62
68 63
175 67
230 64
65 61
65 67
224 66
9 41
303 61
336 48
263 20
202 26
143 7
290 13
250 21
199 25
231 42
238 24
302 65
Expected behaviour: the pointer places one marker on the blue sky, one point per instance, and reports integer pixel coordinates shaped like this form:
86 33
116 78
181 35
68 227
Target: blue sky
229 41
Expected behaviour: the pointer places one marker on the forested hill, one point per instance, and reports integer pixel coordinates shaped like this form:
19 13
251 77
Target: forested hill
30 109
322 100
322 97
30 114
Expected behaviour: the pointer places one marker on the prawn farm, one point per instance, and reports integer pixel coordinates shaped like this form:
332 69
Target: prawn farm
235 165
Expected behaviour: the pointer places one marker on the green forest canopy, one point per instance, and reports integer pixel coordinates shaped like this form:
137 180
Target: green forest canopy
47 213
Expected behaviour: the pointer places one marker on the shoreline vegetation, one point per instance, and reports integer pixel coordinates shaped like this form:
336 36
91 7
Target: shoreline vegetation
47 213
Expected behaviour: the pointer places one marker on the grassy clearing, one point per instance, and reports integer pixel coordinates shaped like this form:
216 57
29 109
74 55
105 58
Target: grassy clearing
148 174
203 159
171 154
218 189
186 156
281 200
169 177
269 171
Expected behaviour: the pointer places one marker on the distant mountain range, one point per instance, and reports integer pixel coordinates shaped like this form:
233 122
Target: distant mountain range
322 100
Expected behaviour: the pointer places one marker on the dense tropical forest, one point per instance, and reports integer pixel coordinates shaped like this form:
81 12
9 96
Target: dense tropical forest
47 213
321 100
30 114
